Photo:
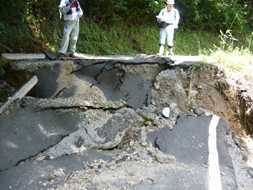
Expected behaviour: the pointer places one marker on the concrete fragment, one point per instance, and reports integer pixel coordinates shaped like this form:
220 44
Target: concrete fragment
22 56
103 131
166 112
21 93
198 111
165 158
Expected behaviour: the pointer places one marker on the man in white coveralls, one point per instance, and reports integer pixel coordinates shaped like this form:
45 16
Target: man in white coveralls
168 20
71 11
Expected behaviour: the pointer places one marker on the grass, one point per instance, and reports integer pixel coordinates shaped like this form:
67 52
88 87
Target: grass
187 42
124 38
232 54
118 39
236 61
128 39
233 57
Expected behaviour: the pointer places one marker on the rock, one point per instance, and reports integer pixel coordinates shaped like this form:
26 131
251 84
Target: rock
142 155
164 158
147 112
161 143
150 150
131 143
125 158
198 111
143 136
170 89
156 120
166 112
103 131
144 144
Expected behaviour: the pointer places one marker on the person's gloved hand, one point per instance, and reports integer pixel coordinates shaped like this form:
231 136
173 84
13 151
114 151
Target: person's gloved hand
74 4
160 18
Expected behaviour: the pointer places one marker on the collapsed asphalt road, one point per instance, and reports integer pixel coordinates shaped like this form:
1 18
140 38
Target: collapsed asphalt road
190 167
115 105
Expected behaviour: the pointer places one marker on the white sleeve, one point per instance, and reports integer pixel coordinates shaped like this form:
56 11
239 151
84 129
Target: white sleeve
81 11
177 18
63 8
160 15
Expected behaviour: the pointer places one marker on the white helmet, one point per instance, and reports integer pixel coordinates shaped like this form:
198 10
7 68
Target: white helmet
170 2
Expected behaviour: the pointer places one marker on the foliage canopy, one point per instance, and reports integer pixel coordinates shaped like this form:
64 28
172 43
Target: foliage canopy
33 25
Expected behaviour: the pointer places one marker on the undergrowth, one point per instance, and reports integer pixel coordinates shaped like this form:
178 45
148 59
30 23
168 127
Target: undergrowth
123 38
117 39
233 58
128 39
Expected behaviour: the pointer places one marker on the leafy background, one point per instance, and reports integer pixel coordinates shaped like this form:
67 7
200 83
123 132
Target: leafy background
220 29
111 27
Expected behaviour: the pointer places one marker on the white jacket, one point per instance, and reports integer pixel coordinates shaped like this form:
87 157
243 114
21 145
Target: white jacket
70 13
171 17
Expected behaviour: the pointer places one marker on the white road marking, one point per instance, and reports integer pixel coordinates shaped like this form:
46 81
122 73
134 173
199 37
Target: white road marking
213 157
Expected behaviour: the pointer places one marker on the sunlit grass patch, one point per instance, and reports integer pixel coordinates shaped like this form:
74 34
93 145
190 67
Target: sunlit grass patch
238 61
232 59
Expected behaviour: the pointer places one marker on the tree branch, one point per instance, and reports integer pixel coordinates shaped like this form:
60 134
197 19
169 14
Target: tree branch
5 47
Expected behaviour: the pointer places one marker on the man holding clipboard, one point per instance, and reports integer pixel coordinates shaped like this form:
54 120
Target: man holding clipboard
168 20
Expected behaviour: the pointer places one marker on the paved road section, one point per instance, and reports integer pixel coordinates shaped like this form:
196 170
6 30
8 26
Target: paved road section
197 143
189 142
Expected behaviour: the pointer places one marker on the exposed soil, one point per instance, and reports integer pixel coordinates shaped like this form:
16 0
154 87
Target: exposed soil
230 96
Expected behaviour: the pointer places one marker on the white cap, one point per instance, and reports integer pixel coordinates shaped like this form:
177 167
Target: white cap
170 2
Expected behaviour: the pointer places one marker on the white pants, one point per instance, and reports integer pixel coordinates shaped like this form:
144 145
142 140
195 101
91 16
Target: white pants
71 32
168 33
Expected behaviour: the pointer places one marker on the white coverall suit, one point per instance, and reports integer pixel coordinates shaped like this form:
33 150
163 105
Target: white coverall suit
172 18
71 28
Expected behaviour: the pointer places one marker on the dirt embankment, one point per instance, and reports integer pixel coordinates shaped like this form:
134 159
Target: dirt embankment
227 95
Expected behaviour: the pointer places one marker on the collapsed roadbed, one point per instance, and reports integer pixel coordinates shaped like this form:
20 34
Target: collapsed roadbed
110 102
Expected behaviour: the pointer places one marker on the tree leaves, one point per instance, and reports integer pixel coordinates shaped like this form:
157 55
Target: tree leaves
24 20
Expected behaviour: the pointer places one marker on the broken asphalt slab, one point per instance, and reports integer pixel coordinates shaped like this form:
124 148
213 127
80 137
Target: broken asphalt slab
25 133
33 126
28 132
104 107
62 80
34 175
188 142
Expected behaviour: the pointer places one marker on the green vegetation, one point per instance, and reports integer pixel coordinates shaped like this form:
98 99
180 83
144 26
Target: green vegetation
231 58
2 71
119 27
118 39
237 60
198 64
